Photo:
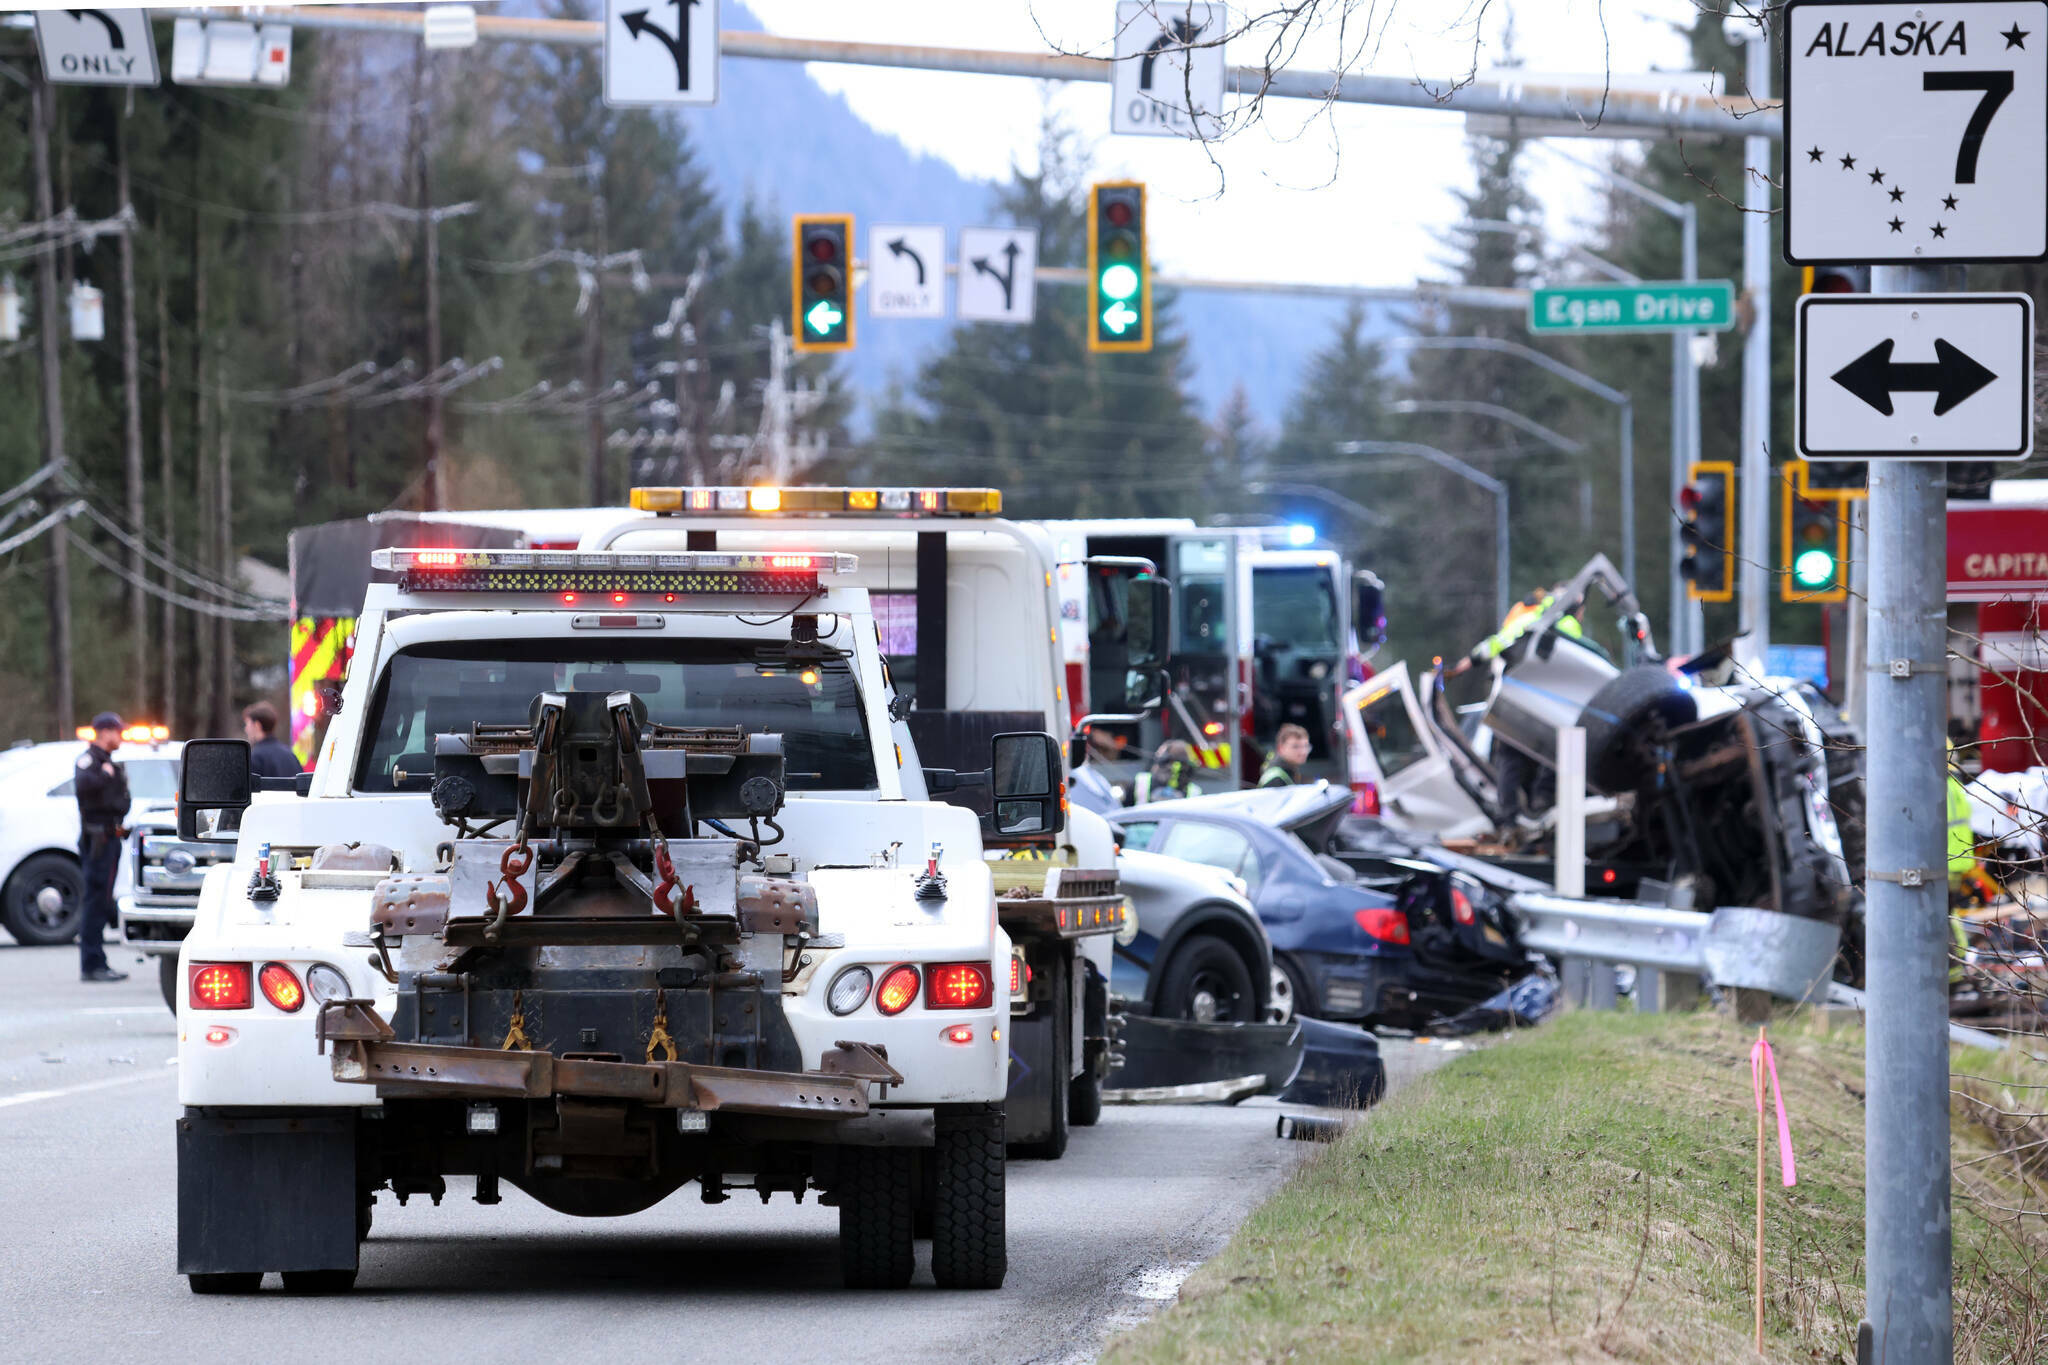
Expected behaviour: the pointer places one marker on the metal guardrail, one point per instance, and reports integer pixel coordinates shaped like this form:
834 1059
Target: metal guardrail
1734 946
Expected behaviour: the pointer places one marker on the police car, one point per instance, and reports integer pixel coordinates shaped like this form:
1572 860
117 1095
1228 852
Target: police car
39 826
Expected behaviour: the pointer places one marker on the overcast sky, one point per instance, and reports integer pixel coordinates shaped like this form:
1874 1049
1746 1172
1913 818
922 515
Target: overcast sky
1355 195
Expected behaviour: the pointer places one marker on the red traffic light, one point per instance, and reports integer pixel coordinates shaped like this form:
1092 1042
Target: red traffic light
824 248
1118 212
1690 497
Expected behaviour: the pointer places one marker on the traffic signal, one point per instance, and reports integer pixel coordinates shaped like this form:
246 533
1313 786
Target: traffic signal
1706 531
1835 279
1119 276
1815 540
821 282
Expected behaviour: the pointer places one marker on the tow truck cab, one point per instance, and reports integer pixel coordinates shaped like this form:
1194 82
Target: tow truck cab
752 954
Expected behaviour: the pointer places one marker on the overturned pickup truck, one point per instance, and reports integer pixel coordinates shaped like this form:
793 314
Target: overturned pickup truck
1699 796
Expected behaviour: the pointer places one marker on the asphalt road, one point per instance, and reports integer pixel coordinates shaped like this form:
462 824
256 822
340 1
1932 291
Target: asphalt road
87 1185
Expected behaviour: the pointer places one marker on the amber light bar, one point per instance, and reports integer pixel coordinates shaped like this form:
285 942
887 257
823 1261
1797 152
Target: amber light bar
617 577
820 502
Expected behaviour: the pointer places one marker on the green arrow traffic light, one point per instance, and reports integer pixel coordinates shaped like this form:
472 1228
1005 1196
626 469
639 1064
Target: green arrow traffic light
823 317
1118 317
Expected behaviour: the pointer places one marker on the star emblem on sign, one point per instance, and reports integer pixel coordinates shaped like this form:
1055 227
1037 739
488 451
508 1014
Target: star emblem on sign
2015 37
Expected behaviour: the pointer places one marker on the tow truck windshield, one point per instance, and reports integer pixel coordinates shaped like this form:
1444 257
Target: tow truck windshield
445 688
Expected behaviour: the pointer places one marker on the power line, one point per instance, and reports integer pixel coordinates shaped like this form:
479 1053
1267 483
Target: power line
86 548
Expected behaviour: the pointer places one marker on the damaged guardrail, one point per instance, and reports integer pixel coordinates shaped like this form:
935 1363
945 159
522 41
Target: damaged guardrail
1738 947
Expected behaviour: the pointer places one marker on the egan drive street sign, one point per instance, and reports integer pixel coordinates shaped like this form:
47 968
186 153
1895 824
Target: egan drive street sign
1914 377
1670 306
1916 132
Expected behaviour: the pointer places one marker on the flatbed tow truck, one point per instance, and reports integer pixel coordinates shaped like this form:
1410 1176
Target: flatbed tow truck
615 873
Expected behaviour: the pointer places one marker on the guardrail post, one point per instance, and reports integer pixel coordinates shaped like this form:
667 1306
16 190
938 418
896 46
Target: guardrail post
1586 982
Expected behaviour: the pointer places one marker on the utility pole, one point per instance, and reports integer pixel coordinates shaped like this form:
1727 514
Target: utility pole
42 118
202 492
432 495
593 331
131 386
1906 1229
224 488
1753 533
166 473
1688 620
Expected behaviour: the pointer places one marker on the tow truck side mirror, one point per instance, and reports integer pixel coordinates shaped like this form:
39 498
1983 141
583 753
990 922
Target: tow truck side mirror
1028 784
214 775
1368 610
1150 608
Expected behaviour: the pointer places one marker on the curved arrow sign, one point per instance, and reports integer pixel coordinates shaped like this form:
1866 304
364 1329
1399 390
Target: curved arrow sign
1914 376
660 52
96 47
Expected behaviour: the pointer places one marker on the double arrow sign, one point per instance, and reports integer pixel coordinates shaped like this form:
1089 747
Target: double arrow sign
1952 376
1915 376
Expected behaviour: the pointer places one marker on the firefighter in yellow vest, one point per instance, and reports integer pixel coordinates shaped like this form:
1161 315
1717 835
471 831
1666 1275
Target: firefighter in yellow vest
1967 882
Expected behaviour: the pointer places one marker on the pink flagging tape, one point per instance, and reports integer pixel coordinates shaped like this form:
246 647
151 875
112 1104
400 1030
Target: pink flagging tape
1760 1059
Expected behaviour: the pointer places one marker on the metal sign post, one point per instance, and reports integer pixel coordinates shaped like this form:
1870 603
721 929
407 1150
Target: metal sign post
1906 1124
1916 137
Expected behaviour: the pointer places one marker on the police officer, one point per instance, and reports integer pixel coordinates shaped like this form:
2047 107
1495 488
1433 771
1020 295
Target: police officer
102 789
269 756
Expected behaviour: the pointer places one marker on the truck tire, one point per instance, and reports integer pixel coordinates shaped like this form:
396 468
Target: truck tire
877 1208
1630 712
31 925
1207 981
1084 1099
167 979
318 1281
1084 1095
1043 1044
229 1282
969 1243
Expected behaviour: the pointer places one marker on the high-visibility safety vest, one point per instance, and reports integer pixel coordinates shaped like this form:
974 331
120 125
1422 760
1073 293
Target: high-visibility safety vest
1962 845
1523 615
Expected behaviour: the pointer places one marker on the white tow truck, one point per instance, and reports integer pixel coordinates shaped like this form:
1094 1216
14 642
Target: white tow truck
615 873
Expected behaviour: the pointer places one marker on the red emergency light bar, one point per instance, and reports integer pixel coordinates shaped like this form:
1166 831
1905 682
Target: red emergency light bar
614 577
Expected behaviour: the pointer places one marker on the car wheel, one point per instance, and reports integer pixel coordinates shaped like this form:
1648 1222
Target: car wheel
1207 981
877 1216
167 980
24 915
1291 996
969 1248
1280 999
1627 716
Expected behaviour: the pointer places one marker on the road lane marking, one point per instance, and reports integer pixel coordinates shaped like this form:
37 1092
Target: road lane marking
31 1096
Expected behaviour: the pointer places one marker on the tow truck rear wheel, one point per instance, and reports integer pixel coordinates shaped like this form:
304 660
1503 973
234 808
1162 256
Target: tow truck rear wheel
228 1282
969 1246
877 1210
318 1281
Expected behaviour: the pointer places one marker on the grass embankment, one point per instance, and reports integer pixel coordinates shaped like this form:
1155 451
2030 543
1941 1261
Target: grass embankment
1586 1191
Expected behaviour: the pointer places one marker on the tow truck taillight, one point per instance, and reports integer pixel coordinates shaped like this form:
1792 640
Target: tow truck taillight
1365 798
1461 907
281 987
220 986
1384 923
958 985
898 989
